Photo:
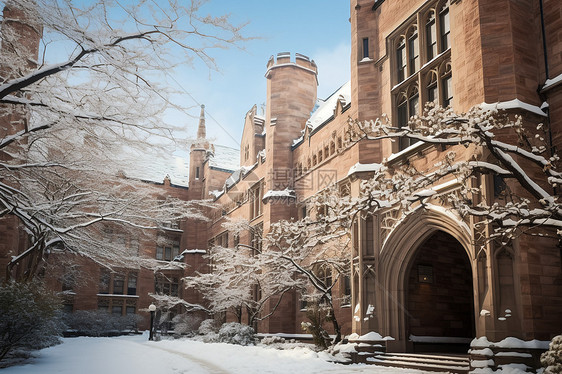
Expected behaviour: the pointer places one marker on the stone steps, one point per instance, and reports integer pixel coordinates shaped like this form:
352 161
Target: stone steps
426 362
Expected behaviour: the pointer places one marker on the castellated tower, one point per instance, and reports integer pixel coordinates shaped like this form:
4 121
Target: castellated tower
291 96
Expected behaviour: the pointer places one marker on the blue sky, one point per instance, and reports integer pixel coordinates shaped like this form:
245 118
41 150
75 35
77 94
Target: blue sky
319 29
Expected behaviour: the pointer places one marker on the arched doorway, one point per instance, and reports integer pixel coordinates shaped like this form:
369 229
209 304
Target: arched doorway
439 297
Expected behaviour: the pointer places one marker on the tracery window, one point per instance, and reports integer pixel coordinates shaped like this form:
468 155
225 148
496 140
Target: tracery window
414 50
447 85
422 63
445 27
431 36
401 60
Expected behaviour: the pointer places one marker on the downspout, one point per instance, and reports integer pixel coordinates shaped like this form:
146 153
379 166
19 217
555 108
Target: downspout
545 54
544 41
547 110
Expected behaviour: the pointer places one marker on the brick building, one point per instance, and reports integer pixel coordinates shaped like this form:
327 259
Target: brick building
422 276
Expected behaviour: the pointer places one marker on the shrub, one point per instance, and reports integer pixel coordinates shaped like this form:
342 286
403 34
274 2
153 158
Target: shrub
100 323
186 324
29 319
552 359
208 326
237 333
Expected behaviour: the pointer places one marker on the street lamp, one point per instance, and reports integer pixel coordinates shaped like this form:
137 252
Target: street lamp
151 309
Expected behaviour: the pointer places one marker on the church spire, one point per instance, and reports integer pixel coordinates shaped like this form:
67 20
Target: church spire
202 131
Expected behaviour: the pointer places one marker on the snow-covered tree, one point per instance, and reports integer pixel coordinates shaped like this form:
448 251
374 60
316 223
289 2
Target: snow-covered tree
241 280
517 154
83 92
314 250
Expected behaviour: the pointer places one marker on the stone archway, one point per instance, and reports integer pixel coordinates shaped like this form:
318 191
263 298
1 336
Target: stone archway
396 259
439 296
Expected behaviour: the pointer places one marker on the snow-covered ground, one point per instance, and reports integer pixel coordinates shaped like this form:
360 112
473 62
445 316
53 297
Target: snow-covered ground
134 354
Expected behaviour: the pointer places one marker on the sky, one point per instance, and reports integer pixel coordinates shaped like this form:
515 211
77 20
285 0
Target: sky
319 29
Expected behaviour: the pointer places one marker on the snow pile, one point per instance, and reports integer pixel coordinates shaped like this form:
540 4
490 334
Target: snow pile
370 336
237 333
509 342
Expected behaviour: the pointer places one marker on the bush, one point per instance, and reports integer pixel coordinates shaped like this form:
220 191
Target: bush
100 323
208 326
552 359
30 319
186 324
236 333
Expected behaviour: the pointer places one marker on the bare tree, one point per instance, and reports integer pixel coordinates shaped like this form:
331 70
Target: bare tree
70 114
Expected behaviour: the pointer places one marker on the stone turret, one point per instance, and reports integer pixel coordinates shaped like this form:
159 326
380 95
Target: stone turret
291 96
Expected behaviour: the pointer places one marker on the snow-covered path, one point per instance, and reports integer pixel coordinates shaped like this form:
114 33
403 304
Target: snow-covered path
135 354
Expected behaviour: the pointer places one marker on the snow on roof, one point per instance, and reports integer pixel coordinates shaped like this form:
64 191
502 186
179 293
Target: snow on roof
225 158
358 167
327 107
284 193
193 251
552 82
513 104
155 169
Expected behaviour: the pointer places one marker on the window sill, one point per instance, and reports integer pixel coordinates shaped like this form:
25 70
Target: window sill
117 295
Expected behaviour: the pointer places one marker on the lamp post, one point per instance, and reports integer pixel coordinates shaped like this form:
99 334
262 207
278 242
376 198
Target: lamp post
151 309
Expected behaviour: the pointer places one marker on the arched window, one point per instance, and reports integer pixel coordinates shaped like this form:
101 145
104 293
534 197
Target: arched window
402 112
445 27
447 86
401 60
431 36
432 90
414 102
413 50
407 105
